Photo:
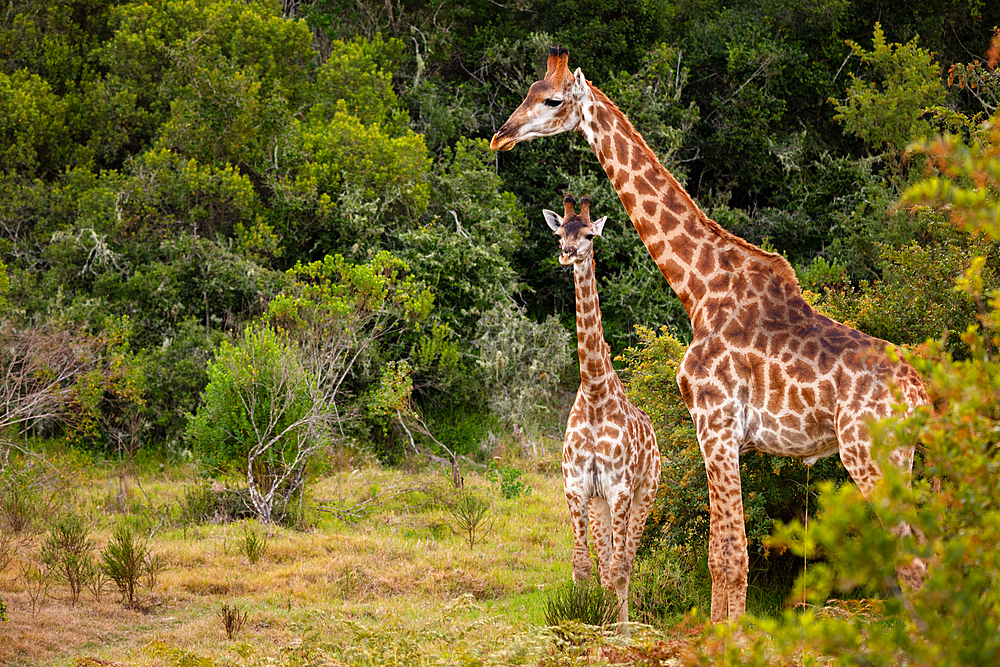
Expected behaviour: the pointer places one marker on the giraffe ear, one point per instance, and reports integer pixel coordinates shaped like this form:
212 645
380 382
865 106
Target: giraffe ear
553 218
598 226
579 81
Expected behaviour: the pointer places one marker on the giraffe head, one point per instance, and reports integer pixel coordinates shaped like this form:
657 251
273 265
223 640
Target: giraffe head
552 105
576 232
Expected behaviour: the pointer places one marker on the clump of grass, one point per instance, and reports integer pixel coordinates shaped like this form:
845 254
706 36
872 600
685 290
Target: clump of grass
586 602
233 619
663 586
253 543
472 517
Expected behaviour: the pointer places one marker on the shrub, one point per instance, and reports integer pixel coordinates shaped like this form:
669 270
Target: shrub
522 362
124 562
472 517
233 619
508 480
663 586
258 416
253 542
67 551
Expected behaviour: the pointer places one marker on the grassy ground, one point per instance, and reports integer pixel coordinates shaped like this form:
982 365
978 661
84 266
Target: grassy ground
397 564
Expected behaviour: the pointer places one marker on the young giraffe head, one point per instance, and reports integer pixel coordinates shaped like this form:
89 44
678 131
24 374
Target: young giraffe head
576 232
552 105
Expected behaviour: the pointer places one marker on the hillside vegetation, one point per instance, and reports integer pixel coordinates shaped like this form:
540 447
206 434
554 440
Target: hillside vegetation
262 279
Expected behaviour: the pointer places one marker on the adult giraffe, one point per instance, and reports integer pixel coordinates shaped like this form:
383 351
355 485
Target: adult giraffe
764 370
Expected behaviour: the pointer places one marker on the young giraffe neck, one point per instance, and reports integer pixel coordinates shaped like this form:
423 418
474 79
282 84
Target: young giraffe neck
595 359
687 246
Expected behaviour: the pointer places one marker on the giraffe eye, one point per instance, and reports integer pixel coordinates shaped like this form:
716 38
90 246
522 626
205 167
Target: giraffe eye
590 237
552 102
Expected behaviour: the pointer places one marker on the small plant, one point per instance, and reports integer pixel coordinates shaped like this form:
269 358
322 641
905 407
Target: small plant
664 585
154 565
472 517
233 618
68 552
97 581
508 479
586 602
254 542
124 562
36 578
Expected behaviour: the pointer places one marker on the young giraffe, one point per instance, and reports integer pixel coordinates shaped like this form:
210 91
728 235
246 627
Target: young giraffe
610 461
764 370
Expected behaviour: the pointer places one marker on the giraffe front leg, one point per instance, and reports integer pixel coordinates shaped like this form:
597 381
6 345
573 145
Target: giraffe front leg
578 510
728 561
621 567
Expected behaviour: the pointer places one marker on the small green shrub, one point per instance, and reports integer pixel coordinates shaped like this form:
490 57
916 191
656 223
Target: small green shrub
472 517
664 585
68 552
254 541
124 562
508 480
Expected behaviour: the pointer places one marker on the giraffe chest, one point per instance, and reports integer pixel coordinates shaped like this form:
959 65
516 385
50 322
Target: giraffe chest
604 451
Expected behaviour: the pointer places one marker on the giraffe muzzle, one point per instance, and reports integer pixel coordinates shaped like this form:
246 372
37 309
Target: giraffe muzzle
501 141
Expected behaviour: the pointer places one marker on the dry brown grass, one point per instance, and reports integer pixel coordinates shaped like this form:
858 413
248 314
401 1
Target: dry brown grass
398 561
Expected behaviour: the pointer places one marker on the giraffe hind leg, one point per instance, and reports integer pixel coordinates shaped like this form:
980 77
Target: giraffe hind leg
855 454
578 511
600 526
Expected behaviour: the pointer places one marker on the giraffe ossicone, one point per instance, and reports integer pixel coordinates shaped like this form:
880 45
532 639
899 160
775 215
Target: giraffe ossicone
610 461
764 370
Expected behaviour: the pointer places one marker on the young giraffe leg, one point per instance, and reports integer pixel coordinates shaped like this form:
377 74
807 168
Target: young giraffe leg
642 503
578 510
621 518
600 526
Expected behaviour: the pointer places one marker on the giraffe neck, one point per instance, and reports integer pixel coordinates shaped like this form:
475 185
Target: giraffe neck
595 358
687 246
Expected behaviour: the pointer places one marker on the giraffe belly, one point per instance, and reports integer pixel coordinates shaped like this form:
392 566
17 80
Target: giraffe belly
810 436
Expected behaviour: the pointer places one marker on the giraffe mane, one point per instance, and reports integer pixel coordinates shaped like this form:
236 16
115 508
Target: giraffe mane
778 264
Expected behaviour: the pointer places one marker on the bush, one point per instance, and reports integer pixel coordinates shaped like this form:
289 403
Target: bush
124 561
253 542
259 418
522 363
67 551
472 517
